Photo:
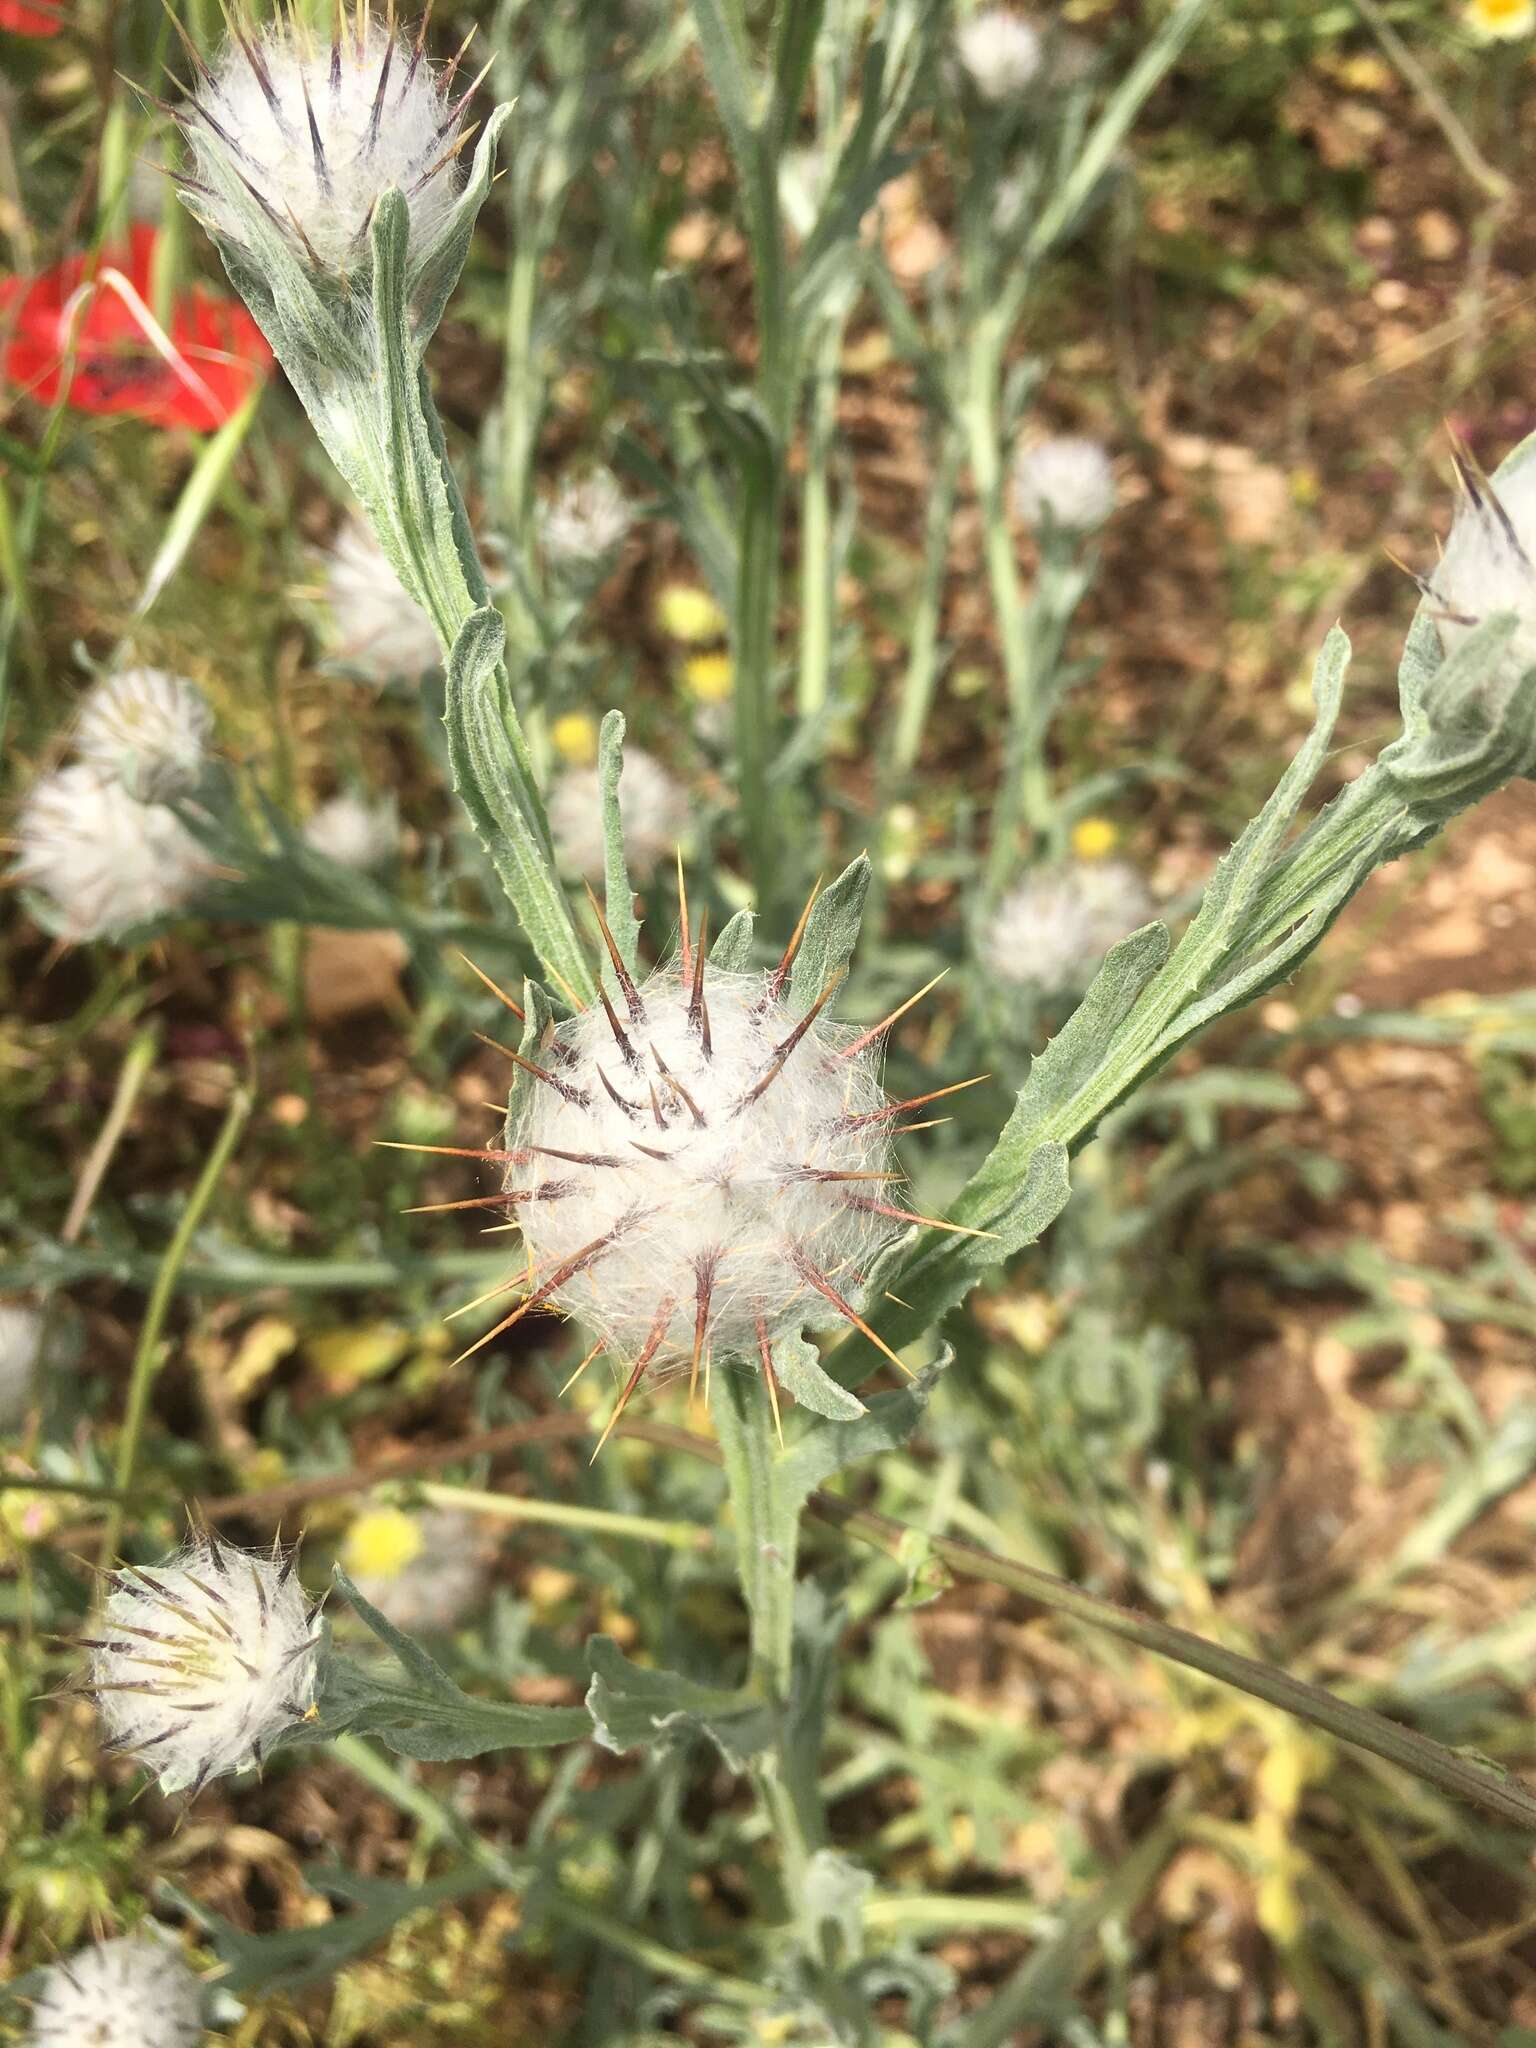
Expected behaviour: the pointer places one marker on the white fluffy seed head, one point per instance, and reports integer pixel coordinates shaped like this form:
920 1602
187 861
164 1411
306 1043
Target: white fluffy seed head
148 730
424 1571
585 520
380 629
21 1351
1000 53
201 1662
653 806
1489 564
135 1992
721 1154
1065 483
104 862
1051 933
354 832
319 131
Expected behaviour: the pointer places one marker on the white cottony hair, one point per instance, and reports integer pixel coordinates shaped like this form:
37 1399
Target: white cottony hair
21 1351
357 834
653 806
585 519
1053 930
699 1168
380 628
440 1583
204 1660
134 1992
147 729
1066 482
1000 52
1489 564
104 862
319 131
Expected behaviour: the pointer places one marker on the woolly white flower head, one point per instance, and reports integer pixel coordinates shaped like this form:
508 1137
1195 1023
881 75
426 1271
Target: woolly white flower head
380 628
202 1661
654 809
21 1350
585 519
423 1571
135 1992
354 832
319 132
703 1167
1066 483
1489 564
1000 53
149 730
1053 930
104 862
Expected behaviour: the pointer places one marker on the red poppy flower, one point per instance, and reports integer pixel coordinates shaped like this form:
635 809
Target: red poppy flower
192 374
39 19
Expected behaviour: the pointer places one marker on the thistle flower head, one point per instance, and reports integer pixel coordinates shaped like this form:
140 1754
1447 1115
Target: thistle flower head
1489 564
999 52
654 808
353 832
21 1350
422 1571
702 1167
103 861
584 521
1065 484
316 132
380 629
148 730
1053 930
204 1660
135 1992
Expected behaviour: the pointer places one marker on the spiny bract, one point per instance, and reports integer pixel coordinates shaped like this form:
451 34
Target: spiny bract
203 1661
703 1167
1489 564
148 730
135 1992
317 131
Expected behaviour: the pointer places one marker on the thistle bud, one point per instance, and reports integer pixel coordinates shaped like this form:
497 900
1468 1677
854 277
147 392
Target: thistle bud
1052 932
999 52
653 805
355 833
1065 485
147 730
21 1351
1489 564
703 1168
315 133
135 1992
584 521
379 627
203 1661
103 862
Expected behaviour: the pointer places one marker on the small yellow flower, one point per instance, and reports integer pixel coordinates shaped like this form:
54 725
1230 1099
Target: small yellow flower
1094 838
709 678
574 737
689 614
1501 21
381 1543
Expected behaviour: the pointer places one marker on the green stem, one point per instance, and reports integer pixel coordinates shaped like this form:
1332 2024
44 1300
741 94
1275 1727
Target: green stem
921 678
766 1510
146 1358
753 661
510 1507
818 572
